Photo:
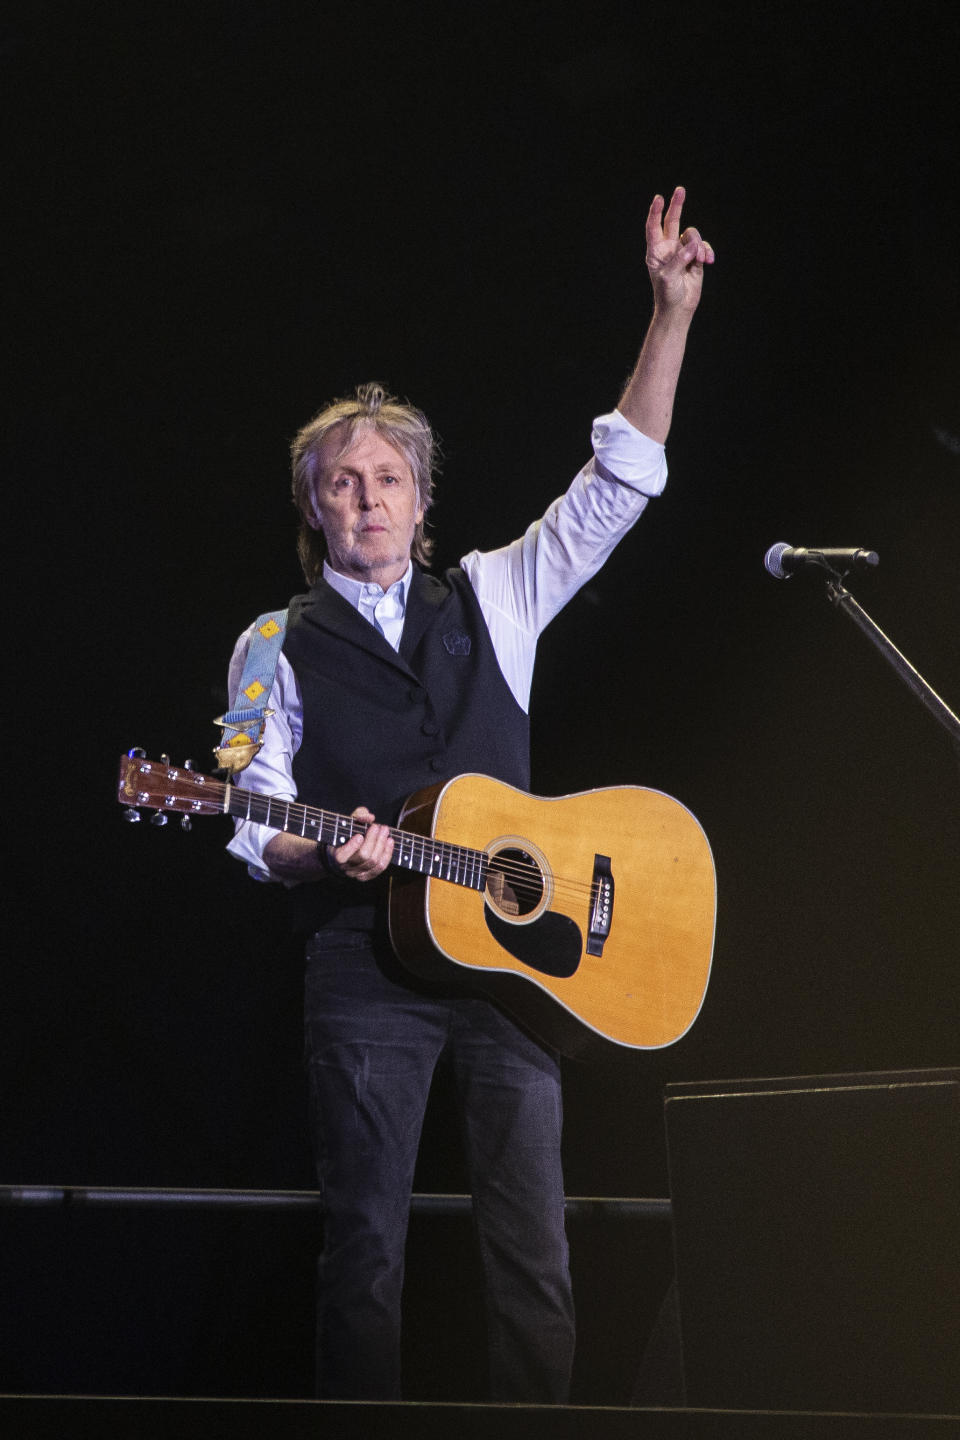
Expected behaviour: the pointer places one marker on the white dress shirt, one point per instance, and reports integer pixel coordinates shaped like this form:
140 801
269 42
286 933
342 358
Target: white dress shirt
520 588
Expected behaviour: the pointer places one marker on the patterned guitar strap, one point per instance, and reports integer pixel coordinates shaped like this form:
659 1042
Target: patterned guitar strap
243 724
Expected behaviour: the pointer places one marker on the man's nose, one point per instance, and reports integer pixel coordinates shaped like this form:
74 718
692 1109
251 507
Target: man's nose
366 494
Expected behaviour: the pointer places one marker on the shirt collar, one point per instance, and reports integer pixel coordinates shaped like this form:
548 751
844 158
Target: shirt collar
355 592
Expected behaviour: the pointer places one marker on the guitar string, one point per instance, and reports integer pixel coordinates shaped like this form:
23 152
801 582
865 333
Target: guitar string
525 876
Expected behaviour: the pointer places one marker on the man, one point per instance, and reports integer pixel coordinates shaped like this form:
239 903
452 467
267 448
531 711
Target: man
391 680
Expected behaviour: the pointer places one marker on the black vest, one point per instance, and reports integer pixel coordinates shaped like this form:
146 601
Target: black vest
379 725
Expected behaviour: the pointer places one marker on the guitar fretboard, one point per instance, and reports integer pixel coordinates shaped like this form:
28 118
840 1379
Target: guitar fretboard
456 863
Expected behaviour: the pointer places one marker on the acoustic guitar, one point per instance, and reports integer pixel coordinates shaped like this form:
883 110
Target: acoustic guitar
588 916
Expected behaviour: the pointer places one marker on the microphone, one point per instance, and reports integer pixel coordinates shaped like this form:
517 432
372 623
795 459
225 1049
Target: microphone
784 560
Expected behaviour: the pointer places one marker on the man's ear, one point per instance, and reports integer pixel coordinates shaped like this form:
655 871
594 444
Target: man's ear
313 519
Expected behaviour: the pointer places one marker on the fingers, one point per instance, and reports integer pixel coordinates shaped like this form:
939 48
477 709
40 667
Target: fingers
366 856
662 226
694 249
666 243
654 226
675 258
671 221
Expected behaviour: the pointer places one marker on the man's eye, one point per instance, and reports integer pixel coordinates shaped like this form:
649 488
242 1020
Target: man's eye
391 480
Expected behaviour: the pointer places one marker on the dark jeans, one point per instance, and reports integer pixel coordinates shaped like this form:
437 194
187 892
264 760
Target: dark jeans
373 1041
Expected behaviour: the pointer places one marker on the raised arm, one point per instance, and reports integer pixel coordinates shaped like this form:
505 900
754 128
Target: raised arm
675 260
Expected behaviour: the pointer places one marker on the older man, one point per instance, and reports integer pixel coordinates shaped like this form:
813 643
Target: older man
390 680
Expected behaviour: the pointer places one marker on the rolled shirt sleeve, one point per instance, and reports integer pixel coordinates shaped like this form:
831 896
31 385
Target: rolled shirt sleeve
624 453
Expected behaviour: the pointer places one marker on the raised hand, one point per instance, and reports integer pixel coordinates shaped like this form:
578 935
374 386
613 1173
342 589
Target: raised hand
675 257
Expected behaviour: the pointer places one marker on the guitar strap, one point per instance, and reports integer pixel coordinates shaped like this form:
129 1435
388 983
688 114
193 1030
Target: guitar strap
243 723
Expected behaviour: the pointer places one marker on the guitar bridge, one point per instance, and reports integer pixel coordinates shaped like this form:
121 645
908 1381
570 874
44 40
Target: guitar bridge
601 904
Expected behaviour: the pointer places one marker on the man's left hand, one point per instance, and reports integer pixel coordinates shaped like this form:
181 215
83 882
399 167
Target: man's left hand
675 257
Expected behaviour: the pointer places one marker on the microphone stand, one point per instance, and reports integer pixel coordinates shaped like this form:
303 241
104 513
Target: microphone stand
840 596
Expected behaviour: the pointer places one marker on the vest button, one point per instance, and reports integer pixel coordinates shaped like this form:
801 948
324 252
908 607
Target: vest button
429 727
414 694
436 763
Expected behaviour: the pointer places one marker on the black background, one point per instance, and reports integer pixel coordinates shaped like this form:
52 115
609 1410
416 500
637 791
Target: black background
218 217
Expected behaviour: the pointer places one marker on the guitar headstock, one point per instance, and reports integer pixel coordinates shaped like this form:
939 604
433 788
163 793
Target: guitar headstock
164 787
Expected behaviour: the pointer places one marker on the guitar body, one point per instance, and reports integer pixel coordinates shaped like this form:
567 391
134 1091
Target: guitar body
555 864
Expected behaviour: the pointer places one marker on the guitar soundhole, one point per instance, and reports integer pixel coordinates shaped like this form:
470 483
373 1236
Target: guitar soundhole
514 882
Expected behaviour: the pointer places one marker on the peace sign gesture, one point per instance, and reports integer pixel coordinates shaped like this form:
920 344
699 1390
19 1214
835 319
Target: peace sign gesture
675 258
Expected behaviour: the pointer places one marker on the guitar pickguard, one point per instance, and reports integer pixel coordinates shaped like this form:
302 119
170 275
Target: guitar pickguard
551 944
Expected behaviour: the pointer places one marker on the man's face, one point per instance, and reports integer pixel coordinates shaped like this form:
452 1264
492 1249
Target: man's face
367 507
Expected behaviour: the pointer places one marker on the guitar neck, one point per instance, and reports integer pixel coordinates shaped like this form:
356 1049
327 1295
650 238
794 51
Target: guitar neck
418 853
168 788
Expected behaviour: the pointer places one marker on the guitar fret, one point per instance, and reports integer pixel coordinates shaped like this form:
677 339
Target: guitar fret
458 864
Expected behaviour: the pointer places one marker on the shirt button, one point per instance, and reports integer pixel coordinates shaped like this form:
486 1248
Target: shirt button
436 763
429 727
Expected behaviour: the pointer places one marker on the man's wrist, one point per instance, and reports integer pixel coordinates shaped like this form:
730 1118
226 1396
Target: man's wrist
329 864
666 316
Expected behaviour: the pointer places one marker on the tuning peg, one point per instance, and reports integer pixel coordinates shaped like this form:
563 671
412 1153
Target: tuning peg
131 816
137 753
186 823
158 819
164 759
188 764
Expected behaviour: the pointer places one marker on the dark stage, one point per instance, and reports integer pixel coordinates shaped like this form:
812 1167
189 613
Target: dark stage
219 217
